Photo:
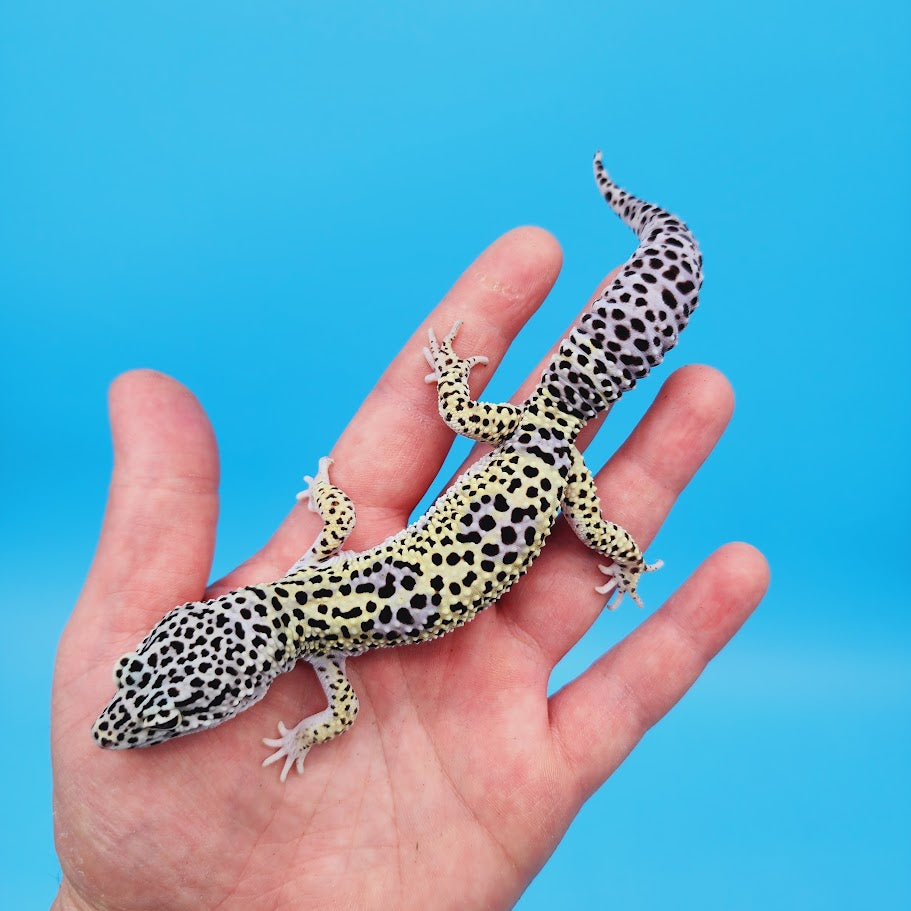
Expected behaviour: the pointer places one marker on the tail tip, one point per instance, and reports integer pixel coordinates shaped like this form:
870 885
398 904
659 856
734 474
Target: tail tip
602 178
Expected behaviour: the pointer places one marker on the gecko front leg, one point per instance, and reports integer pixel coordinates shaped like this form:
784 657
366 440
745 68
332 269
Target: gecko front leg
294 744
335 509
482 421
582 509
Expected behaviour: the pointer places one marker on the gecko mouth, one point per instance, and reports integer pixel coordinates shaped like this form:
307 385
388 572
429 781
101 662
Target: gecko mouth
111 730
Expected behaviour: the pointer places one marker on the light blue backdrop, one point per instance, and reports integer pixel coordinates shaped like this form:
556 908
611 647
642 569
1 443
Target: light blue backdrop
234 193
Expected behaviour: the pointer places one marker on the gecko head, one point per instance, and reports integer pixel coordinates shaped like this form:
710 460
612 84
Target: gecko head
192 672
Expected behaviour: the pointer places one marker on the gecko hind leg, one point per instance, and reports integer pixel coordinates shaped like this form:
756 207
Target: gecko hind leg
582 509
294 744
334 508
482 421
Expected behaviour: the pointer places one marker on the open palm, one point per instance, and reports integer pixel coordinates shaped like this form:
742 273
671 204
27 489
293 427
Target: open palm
460 775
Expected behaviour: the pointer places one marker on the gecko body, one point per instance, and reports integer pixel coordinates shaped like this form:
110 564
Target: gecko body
205 662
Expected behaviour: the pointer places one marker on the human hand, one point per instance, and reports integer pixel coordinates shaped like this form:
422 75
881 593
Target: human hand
460 775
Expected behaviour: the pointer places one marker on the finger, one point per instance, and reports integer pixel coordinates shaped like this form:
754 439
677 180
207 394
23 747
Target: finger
400 418
557 602
156 543
598 718
394 446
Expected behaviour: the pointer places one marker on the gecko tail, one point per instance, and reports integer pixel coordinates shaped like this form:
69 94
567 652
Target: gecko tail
636 213
636 320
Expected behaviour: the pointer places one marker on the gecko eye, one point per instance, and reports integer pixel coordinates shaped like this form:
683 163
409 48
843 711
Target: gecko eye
160 717
129 670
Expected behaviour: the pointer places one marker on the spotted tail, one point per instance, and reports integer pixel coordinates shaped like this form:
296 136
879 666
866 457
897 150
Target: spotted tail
637 318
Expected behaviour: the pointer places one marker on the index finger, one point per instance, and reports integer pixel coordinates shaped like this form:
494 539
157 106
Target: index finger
395 444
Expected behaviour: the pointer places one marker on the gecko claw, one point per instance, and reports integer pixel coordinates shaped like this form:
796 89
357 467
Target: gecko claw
440 356
453 332
288 748
624 581
322 474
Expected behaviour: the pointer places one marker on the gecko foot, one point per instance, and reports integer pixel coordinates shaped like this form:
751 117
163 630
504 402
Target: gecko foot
291 746
624 580
440 356
321 475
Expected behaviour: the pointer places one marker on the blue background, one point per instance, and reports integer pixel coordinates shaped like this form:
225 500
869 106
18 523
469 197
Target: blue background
238 193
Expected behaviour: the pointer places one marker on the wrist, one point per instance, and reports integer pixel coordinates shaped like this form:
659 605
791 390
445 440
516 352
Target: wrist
68 900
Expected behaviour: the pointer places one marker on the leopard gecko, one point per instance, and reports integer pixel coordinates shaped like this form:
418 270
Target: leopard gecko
205 662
